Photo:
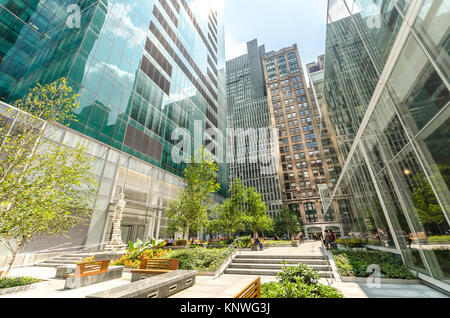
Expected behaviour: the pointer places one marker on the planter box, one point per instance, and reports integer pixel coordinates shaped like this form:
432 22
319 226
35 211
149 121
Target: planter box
351 279
17 289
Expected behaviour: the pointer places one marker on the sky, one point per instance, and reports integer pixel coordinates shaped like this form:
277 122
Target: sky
277 24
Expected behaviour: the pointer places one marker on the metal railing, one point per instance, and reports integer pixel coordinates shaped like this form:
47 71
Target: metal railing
330 271
228 260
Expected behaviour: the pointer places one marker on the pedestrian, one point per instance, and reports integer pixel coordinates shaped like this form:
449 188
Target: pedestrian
333 237
300 237
327 239
257 241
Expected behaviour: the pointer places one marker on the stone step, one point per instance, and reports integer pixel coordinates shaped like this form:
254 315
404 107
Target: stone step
286 257
83 255
263 272
54 261
69 258
278 261
48 264
273 266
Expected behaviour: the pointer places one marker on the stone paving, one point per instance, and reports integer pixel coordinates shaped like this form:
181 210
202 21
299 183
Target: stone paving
226 286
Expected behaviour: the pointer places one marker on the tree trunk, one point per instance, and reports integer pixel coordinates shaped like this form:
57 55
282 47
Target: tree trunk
186 234
14 253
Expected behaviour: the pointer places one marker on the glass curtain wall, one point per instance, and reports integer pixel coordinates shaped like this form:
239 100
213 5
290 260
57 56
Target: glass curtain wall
387 90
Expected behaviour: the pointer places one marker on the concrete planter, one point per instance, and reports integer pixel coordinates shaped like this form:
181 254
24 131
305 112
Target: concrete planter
350 279
17 289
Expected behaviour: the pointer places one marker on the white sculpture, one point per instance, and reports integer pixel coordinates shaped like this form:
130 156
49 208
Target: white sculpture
116 240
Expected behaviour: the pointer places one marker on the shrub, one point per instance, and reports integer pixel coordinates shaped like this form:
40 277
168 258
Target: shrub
299 281
200 259
302 272
352 243
8 282
355 263
439 239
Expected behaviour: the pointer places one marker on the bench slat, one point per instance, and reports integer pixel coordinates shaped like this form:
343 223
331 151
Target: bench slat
253 290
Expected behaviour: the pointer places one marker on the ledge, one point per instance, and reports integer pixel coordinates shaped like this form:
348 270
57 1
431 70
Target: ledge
17 289
351 279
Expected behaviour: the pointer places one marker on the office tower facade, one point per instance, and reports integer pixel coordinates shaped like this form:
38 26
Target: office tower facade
330 147
248 113
303 168
143 69
387 94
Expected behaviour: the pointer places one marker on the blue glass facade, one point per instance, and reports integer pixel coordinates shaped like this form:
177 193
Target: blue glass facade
142 68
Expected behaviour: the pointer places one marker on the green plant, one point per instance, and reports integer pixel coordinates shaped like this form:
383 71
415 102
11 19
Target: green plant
8 282
46 188
355 263
189 211
200 259
301 272
299 281
352 243
439 239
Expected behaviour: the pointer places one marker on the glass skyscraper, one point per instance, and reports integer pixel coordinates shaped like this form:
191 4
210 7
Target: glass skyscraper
142 69
387 93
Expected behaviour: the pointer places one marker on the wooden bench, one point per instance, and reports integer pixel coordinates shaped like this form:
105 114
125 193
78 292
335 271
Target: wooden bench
153 267
89 273
90 268
420 236
251 291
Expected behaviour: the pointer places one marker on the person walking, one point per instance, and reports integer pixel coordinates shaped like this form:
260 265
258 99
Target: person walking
327 239
300 237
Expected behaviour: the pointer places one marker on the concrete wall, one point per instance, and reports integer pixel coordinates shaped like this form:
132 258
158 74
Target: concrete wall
26 259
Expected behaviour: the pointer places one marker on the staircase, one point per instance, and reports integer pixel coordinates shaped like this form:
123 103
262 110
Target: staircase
64 260
270 265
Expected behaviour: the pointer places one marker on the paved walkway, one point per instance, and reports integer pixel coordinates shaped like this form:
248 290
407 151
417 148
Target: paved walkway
227 286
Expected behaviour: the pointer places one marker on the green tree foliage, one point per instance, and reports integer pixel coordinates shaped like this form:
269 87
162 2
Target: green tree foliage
256 212
231 214
425 201
189 210
286 222
45 189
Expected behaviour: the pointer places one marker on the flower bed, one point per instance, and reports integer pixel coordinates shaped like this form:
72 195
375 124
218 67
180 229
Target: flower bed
355 264
132 259
298 282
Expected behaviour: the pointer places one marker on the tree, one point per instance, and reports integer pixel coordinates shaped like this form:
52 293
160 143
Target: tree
231 214
256 212
287 222
45 188
189 210
427 206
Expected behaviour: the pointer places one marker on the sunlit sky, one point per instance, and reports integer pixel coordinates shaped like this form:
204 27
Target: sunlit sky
277 24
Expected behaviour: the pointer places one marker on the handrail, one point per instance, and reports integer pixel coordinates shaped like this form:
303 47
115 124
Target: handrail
232 244
220 270
330 271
